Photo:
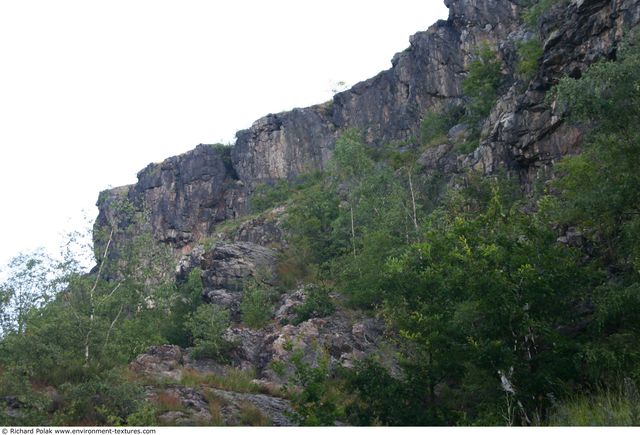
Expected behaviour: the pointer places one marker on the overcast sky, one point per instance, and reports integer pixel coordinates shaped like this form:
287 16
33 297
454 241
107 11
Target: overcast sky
93 91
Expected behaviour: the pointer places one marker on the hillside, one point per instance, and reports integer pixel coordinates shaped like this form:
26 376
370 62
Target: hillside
451 242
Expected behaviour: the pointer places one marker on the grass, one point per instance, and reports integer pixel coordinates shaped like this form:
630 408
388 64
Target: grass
606 408
251 416
535 10
236 380
165 401
215 408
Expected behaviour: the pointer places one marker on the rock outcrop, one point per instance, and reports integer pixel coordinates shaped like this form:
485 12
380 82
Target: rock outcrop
524 133
198 203
166 370
183 199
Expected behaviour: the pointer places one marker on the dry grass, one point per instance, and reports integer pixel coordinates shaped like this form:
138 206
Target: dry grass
166 401
251 416
236 380
215 408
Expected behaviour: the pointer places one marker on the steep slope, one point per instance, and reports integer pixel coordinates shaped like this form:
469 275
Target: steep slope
181 200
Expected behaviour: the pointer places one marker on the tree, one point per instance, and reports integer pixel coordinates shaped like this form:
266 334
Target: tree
481 86
31 282
256 305
207 326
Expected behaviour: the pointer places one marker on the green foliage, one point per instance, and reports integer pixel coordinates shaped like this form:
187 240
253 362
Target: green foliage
278 367
600 189
182 300
319 402
256 306
311 222
604 408
435 125
145 415
529 54
267 196
318 303
105 400
349 222
240 381
379 396
535 10
32 279
15 383
251 416
475 297
600 194
351 160
481 85
207 326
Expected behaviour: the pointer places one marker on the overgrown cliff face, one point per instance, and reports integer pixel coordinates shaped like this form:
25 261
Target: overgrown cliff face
177 201
182 199
525 132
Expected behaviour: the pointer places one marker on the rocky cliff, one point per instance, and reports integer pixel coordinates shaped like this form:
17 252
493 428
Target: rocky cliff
197 204
181 200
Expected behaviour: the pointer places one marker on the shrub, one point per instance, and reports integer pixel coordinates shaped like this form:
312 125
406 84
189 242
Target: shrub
529 53
318 403
279 367
251 416
267 195
481 86
534 11
207 326
256 306
144 416
186 297
607 408
435 125
103 400
317 304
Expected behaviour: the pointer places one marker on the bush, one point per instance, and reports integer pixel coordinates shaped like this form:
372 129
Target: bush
608 408
529 53
107 399
207 326
536 8
251 416
256 306
317 304
435 125
186 297
481 86
144 416
267 196
318 403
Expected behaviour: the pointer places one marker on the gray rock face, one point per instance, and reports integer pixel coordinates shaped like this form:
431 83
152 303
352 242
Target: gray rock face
341 338
523 132
201 404
178 201
196 406
285 145
183 198
160 362
277 410
226 267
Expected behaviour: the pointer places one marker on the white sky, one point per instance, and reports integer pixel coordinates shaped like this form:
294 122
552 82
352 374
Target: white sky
93 91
